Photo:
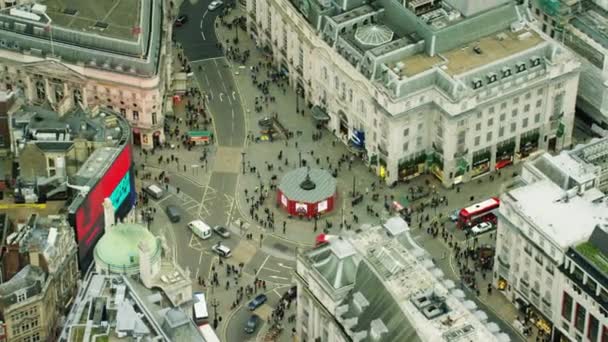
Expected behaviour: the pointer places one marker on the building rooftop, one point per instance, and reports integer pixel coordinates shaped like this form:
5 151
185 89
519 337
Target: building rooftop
107 18
594 255
397 293
472 55
547 205
593 22
131 308
433 308
118 248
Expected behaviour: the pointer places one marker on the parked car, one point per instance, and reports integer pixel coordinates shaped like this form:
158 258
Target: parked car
215 4
482 228
454 215
222 250
221 231
181 20
252 324
257 302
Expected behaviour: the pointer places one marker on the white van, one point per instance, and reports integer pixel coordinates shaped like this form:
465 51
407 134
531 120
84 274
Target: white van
200 229
155 191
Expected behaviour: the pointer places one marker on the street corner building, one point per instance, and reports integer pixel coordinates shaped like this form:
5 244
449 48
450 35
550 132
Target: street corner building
456 88
307 192
380 285
552 243
91 53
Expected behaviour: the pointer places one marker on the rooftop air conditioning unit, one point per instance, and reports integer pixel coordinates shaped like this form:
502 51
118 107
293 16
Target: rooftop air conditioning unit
517 26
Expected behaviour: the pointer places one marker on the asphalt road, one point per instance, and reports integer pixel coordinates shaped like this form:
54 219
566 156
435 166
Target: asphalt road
197 35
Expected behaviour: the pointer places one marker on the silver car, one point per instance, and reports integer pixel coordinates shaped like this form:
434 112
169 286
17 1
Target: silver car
215 4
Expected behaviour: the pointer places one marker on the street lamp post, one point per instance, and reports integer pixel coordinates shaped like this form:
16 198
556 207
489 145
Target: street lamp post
299 158
243 161
236 30
354 190
297 100
215 304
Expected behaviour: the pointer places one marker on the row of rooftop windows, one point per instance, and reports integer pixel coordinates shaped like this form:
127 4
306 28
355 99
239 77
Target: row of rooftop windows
506 72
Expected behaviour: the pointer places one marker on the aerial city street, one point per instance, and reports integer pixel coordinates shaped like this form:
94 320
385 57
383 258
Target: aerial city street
304 170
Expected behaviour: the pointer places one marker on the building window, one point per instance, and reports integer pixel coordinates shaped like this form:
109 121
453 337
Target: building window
501 132
516 100
502 117
528 95
406 146
490 122
567 306
503 105
477 139
135 115
21 296
418 141
491 110
526 108
593 328
514 112
579 317
154 118
406 131
537 118
478 126
489 136
524 123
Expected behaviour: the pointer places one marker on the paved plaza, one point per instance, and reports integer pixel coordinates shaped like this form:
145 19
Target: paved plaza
232 186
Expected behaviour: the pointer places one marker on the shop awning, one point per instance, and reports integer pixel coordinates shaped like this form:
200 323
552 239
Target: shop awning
319 114
503 163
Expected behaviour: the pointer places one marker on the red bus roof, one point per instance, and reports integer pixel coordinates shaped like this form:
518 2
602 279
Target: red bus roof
486 205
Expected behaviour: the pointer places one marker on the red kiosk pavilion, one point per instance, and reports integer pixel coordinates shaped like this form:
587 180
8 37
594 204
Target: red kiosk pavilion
307 192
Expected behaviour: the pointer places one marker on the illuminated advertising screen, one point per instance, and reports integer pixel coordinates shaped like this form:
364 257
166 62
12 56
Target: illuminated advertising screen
118 185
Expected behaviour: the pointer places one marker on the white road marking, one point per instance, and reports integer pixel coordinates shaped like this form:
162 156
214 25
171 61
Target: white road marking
221 97
262 266
285 266
234 95
277 277
203 35
201 25
164 198
270 269
200 258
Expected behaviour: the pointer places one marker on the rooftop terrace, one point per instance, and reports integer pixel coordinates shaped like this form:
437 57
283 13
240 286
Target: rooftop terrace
457 61
111 18
594 255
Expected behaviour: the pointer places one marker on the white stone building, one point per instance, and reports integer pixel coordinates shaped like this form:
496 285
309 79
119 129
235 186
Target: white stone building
454 88
556 207
380 285
580 25
65 56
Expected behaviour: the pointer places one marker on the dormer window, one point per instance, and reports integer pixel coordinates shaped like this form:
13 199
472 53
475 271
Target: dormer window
477 83
521 67
506 72
492 78
535 61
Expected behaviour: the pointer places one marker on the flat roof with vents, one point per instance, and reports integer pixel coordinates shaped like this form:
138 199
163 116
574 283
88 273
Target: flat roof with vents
463 59
112 18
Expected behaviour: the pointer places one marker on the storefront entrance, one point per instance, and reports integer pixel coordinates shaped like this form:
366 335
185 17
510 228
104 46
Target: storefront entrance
156 139
505 152
343 123
481 162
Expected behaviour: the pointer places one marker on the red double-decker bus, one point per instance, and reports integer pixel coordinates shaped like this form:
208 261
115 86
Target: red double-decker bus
480 212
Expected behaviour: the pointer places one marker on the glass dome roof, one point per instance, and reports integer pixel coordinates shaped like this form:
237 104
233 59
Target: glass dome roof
374 35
